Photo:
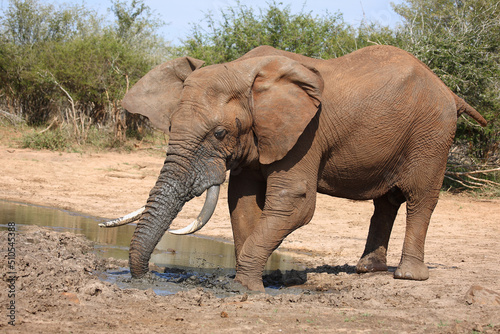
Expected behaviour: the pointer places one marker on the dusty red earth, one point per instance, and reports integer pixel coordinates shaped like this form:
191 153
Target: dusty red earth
57 289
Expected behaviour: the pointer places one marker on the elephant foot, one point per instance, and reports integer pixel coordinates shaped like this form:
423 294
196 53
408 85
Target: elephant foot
252 284
372 262
412 269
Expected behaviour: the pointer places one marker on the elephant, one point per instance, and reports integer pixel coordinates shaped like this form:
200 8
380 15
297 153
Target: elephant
376 124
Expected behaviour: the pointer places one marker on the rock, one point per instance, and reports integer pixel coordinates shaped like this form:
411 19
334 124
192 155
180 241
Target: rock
478 295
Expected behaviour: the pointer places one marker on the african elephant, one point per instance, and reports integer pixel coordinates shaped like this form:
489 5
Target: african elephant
375 124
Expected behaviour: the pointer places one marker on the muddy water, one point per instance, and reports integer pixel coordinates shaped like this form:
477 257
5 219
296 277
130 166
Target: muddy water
110 243
185 257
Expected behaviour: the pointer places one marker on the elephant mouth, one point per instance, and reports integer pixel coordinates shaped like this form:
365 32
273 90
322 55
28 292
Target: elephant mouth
202 219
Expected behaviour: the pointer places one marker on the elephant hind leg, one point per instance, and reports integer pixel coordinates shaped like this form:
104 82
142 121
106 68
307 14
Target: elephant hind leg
421 188
418 216
374 257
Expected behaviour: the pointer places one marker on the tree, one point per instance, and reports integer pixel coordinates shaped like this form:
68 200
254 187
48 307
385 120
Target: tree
460 41
66 62
29 28
242 28
136 24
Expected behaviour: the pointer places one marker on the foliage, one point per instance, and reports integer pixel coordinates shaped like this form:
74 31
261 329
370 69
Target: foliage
62 139
135 21
66 63
56 140
460 41
242 29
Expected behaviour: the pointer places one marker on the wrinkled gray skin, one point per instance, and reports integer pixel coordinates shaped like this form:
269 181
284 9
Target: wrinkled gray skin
375 124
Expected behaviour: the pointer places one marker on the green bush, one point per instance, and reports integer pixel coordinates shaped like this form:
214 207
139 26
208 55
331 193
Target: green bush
70 63
242 28
60 139
54 140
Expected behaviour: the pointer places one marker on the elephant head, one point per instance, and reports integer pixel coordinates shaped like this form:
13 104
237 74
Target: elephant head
157 94
220 117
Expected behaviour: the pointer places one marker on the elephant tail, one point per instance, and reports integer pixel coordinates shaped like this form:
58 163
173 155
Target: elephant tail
464 107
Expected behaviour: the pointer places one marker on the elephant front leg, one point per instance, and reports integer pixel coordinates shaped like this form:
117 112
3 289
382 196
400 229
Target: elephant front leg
374 257
288 206
246 197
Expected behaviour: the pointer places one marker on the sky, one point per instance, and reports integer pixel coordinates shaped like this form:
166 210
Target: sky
181 14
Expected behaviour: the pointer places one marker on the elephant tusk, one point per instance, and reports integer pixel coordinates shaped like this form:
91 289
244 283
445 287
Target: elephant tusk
131 217
205 214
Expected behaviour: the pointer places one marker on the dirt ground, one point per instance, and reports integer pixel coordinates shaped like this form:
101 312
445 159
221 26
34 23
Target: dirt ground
57 289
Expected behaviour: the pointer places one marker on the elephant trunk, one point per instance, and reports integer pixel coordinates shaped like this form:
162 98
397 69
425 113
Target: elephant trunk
164 203
180 180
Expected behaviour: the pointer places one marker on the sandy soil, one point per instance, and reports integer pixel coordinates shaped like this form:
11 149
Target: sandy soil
56 290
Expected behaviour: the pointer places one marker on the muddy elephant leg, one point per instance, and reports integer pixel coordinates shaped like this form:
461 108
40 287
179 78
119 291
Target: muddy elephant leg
288 206
246 197
419 211
374 257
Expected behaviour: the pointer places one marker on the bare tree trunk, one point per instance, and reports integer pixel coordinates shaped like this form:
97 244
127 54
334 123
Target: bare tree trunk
120 124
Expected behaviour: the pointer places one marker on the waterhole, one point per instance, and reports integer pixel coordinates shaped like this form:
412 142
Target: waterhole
189 261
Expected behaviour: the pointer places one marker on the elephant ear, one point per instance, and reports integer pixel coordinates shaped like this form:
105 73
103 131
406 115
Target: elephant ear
285 97
157 94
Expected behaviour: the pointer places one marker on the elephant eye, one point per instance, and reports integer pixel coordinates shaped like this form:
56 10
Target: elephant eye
220 133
